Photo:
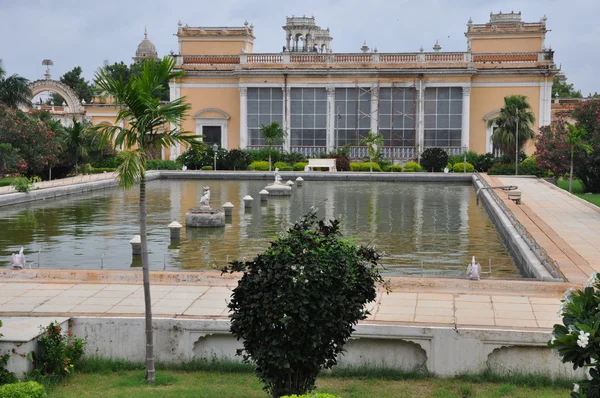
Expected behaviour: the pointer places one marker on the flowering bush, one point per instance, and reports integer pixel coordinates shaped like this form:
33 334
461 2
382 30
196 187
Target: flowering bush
57 352
296 304
577 340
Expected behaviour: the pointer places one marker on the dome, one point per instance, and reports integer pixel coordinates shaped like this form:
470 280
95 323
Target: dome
145 49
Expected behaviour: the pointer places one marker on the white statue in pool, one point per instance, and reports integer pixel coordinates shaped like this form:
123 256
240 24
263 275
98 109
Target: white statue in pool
473 270
205 197
18 260
277 176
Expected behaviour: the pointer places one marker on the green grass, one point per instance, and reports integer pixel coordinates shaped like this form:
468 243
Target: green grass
106 379
579 191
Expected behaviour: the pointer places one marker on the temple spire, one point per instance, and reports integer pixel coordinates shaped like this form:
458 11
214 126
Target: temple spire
145 33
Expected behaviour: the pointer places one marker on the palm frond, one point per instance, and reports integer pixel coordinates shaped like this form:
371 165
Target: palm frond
131 169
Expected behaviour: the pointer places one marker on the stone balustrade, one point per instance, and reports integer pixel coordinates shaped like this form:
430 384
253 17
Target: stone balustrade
367 59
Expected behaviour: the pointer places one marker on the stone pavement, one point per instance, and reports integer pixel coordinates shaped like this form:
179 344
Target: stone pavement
64 182
566 226
443 302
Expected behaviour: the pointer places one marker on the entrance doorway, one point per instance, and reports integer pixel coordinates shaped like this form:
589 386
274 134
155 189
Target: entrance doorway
212 135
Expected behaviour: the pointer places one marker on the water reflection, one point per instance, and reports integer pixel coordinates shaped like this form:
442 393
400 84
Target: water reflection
424 228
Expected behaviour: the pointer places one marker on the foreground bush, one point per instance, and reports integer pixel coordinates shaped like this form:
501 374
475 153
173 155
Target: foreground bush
577 340
460 167
412 167
31 389
299 166
259 166
296 304
57 352
434 159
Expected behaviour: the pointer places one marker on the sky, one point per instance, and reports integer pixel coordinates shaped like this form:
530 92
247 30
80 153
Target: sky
86 33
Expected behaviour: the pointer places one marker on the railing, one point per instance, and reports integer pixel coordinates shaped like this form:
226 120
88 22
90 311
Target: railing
309 151
369 58
549 263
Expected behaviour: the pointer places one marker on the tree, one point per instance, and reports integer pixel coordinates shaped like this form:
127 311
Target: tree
296 304
14 90
574 140
33 137
9 159
146 120
564 89
272 134
373 142
77 141
73 79
505 133
121 71
434 159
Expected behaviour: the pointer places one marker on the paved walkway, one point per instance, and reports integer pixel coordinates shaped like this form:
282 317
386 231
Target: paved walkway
567 227
64 181
483 306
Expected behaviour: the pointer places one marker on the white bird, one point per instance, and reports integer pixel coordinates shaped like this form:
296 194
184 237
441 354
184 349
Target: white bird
18 260
473 270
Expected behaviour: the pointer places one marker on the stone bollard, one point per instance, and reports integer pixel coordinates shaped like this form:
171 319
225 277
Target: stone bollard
289 183
248 201
175 230
136 245
264 194
299 181
228 209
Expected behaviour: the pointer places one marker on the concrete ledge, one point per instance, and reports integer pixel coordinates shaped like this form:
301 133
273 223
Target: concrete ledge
526 259
443 351
20 338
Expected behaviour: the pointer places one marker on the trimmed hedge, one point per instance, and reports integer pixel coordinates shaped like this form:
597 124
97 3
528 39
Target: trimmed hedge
412 167
312 395
259 166
282 166
460 167
299 166
157 164
525 168
366 166
394 168
206 168
354 166
102 170
30 389
434 159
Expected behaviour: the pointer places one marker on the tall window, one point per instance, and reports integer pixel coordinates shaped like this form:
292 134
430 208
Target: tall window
265 106
308 117
443 117
397 114
352 115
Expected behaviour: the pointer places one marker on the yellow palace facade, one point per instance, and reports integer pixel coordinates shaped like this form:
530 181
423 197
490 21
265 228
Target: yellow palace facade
325 100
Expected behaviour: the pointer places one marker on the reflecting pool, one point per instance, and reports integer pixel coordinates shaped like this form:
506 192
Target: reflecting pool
429 229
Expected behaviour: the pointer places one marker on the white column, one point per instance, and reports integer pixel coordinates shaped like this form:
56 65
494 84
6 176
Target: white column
374 110
243 117
331 118
287 98
466 116
420 115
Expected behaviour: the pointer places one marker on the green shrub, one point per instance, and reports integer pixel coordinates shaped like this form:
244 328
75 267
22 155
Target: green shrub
57 352
434 159
450 166
262 155
5 376
206 168
525 168
22 184
157 164
30 389
354 166
341 162
85 168
460 167
101 170
109 162
4 182
259 166
484 162
282 166
412 167
299 166
297 304
471 158
293 157
366 166
394 168
237 159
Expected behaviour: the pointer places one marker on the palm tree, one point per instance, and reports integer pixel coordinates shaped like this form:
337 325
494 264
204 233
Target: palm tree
574 139
272 134
515 112
14 90
373 142
146 122
76 139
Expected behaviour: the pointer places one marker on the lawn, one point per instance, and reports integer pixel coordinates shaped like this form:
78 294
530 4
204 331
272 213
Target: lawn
239 381
578 191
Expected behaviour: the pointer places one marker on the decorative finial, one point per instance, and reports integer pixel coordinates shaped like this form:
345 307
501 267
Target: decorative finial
544 19
437 46
470 21
47 63
251 26
145 33
246 23
421 49
180 24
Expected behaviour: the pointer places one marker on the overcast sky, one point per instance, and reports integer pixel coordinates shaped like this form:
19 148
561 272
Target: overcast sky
85 33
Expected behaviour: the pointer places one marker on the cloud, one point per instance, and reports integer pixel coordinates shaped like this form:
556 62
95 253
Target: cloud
72 32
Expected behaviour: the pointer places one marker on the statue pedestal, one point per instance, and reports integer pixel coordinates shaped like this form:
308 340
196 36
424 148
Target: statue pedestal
204 217
279 190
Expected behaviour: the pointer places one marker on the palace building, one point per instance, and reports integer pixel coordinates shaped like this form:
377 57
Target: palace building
325 100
